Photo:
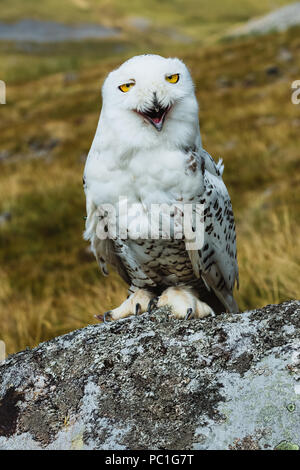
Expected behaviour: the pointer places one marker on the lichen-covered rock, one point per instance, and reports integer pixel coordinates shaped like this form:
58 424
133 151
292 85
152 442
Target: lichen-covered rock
153 382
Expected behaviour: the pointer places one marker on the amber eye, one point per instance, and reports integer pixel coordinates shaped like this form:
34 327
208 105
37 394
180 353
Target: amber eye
126 87
172 78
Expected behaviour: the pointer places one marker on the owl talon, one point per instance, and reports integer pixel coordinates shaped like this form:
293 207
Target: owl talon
107 317
138 309
189 314
152 304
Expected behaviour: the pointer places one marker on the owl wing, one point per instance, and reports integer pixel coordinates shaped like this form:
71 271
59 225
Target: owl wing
103 249
216 261
112 251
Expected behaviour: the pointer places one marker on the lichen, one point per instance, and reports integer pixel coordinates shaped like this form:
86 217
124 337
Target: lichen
285 445
154 382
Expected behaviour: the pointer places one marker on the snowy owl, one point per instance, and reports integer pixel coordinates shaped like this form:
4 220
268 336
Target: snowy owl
147 152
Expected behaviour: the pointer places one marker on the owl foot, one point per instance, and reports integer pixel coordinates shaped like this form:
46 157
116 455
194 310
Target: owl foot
136 304
189 314
184 303
152 304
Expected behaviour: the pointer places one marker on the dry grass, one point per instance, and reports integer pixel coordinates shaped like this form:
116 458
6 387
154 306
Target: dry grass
49 283
269 260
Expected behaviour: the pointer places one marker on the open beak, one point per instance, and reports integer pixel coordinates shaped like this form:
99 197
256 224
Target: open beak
156 115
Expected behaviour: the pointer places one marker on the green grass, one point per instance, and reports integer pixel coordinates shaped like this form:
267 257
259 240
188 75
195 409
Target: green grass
18 66
49 282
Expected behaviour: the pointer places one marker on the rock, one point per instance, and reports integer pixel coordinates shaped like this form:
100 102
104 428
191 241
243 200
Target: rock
34 30
4 155
278 20
4 218
284 55
272 70
154 382
42 146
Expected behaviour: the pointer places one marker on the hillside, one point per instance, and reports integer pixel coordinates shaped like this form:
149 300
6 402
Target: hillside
278 20
193 17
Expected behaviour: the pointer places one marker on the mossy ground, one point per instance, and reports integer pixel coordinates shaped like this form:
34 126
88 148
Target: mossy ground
49 283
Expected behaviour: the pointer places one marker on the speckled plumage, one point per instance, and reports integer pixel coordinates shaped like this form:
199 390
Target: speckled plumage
130 158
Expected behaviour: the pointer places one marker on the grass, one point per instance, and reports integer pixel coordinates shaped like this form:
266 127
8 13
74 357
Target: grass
49 282
269 260
41 60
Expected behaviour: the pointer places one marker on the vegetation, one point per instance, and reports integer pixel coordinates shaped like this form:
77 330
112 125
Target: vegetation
49 282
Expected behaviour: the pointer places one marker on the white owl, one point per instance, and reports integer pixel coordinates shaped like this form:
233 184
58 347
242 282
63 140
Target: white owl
147 151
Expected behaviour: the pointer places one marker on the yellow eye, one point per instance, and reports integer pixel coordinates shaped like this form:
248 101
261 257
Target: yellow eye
173 78
126 87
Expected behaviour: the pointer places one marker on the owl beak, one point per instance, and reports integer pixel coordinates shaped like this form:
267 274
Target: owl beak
156 115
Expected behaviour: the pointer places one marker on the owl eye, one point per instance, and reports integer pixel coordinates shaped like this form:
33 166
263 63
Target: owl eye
172 78
126 87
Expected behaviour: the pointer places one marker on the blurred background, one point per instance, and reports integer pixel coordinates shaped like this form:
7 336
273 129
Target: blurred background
243 55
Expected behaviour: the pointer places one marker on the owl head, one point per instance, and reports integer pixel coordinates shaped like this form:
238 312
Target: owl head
150 98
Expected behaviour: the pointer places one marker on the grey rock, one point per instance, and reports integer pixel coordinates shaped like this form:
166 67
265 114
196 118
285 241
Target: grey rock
33 30
272 70
153 382
4 218
284 55
42 146
280 19
4 155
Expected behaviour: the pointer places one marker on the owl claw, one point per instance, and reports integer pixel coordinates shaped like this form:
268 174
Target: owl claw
138 309
189 314
152 304
107 317
135 304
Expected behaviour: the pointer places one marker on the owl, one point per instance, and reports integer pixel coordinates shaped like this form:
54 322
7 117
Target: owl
147 154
